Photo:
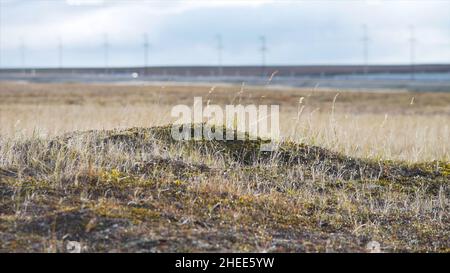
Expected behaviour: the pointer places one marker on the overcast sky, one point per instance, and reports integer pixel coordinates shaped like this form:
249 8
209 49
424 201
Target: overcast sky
185 32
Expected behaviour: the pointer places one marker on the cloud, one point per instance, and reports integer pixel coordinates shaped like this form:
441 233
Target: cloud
182 32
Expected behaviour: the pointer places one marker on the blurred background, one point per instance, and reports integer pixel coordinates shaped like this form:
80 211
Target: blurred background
348 44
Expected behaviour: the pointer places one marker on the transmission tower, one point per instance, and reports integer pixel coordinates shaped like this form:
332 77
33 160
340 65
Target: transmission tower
219 54
146 47
60 52
263 50
106 52
22 54
412 49
365 41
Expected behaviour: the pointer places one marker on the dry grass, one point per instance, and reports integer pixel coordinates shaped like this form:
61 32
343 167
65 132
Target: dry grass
138 190
400 126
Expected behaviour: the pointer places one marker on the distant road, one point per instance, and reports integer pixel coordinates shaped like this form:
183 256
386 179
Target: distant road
285 71
430 77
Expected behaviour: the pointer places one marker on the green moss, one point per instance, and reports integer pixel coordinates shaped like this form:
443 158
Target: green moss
134 214
143 214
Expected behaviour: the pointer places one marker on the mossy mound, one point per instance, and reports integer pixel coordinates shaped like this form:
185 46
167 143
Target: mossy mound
250 152
138 189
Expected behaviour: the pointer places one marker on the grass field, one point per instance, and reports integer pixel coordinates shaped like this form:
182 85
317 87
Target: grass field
96 164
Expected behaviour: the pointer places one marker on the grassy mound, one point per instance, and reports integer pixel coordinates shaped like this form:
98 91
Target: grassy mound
139 190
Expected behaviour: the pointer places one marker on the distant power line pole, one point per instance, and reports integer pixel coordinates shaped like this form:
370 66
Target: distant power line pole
106 51
219 53
22 54
365 41
412 49
60 52
263 50
146 47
